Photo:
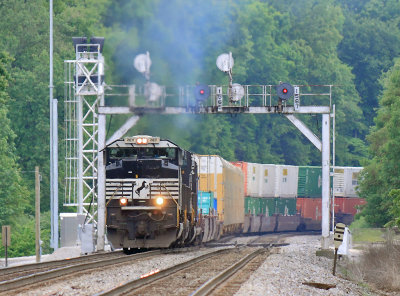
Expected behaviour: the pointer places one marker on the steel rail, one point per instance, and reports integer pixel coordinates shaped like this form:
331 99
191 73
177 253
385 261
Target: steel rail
213 283
54 263
63 271
138 283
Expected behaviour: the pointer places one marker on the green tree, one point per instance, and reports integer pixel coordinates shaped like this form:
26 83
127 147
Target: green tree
23 239
381 175
24 34
371 40
12 193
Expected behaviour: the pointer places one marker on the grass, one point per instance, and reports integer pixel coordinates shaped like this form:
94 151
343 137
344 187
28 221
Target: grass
368 235
363 233
379 266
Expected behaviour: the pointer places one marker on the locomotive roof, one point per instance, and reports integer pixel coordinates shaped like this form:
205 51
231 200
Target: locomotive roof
129 142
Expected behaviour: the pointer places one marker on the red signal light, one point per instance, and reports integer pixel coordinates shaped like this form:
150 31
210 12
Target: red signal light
202 91
285 90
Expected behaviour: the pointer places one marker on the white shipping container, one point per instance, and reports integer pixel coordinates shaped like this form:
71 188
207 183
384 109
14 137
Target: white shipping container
338 181
210 164
287 180
267 180
345 181
351 181
253 179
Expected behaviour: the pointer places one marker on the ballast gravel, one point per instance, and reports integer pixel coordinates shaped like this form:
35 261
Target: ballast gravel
286 272
90 283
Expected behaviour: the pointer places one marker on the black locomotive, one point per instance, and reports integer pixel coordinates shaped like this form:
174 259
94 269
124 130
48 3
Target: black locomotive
151 194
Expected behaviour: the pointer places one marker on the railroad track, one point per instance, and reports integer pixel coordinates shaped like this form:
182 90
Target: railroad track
218 265
229 281
264 240
33 274
24 270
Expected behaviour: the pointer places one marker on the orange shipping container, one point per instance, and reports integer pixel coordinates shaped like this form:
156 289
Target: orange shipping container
348 205
310 208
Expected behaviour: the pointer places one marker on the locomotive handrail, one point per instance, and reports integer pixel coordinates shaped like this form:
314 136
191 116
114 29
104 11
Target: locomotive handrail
178 208
111 198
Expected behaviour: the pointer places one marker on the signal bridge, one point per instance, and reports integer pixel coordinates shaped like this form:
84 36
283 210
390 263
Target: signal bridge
254 99
249 99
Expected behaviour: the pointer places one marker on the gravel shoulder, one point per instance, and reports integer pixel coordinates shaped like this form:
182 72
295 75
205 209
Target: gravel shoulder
284 273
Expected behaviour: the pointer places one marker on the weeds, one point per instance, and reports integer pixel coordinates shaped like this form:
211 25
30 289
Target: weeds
379 266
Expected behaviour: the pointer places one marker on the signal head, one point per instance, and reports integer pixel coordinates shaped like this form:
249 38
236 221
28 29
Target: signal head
285 91
201 92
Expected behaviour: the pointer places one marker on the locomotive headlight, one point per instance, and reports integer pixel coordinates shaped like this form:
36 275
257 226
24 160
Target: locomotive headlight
123 201
142 140
159 200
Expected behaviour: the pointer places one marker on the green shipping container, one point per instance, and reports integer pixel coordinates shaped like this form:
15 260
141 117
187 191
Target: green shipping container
257 206
252 205
267 206
286 206
309 182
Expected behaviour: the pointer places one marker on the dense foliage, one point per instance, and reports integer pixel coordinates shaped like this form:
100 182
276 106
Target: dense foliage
345 43
381 182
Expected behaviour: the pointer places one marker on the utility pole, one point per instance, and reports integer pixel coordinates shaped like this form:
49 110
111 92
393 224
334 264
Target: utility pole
37 212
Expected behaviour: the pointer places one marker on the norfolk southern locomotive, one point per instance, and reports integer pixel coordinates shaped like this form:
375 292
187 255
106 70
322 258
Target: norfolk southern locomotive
151 193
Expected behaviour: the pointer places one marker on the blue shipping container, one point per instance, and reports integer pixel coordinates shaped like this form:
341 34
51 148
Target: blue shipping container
205 200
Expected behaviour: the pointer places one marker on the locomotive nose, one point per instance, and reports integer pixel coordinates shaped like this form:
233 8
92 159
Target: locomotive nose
141 229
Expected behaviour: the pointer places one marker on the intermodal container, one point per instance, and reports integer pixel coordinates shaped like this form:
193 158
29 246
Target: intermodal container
205 201
252 205
345 181
260 206
310 208
286 206
267 180
253 179
338 181
309 182
351 181
348 205
267 206
287 180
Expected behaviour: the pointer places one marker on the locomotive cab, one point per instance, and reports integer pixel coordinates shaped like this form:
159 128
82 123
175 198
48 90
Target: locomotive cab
151 194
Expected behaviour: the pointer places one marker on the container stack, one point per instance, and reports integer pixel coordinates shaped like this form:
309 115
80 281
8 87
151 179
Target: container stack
221 188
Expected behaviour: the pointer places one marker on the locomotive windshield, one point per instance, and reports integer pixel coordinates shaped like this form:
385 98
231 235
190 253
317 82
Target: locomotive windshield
117 153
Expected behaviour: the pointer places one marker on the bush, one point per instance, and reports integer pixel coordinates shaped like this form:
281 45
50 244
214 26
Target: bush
23 236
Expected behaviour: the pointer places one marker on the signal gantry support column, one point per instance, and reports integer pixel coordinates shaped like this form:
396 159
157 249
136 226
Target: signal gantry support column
84 91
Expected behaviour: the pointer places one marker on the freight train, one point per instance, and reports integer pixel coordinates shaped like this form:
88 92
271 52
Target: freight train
159 195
